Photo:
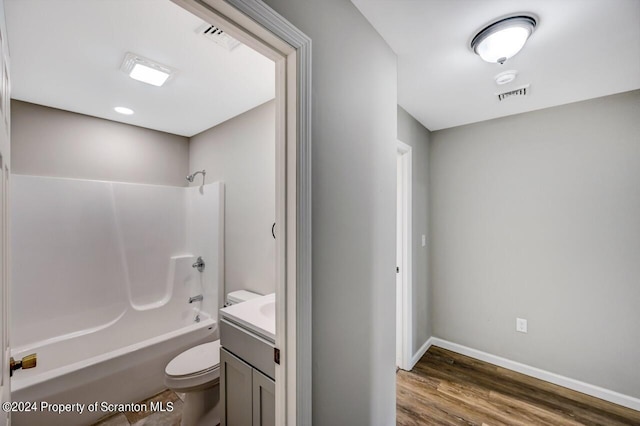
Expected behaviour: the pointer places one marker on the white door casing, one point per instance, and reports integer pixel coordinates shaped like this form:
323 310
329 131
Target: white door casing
404 283
399 261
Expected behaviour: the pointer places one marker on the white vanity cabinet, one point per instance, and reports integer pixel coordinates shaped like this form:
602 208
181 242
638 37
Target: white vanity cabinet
247 371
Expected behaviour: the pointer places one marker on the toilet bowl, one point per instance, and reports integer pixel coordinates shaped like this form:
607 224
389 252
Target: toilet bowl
196 373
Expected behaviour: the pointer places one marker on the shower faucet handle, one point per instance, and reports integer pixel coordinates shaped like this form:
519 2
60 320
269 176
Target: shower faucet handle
199 264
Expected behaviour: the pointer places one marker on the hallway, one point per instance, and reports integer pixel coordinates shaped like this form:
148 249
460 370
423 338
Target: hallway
446 388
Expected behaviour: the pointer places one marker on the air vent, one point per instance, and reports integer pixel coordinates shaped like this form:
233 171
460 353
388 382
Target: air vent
520 91
215 34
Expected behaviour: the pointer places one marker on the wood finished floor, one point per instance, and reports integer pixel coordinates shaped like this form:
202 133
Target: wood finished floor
446 388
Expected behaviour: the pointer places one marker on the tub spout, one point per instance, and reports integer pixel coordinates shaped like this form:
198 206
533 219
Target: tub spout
197 298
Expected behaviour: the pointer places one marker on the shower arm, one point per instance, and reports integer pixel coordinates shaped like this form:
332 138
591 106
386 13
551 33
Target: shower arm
191 177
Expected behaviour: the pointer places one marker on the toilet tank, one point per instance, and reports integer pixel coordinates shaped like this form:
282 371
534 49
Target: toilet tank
240 296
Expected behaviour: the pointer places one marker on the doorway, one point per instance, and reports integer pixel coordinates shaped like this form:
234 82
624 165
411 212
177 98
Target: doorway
403 256
254 24
258 26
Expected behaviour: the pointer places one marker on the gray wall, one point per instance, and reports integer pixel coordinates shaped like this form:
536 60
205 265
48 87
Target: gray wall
411 132
52 142
241 153
354 163
537 216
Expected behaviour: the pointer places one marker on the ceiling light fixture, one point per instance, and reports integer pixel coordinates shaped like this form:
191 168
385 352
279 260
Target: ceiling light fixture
504 38
123 110
145 70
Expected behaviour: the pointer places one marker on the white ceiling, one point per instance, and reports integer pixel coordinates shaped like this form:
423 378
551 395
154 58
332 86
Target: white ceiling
67 54
581 49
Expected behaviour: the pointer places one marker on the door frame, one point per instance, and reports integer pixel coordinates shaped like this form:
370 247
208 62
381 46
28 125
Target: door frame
258 26
406 174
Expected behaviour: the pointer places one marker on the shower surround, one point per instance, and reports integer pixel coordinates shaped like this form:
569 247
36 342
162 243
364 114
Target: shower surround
102 277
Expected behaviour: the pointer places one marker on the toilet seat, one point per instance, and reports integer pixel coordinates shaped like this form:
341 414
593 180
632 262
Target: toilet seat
196 360
194 368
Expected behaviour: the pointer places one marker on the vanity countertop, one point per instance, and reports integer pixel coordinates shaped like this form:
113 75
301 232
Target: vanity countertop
256 315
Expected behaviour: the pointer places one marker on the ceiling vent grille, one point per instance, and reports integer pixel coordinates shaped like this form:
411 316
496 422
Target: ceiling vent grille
520 91
215 34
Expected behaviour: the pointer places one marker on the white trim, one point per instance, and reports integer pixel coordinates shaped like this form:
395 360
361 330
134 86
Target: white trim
423 350
407 257
222 291
254 23
547 376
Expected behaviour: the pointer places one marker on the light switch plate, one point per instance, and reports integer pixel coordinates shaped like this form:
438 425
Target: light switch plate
521 325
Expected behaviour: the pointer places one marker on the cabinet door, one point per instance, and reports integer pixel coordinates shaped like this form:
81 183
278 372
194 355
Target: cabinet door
235 390
264 400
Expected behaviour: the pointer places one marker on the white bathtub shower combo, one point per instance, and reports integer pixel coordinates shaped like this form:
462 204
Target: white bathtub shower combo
103 274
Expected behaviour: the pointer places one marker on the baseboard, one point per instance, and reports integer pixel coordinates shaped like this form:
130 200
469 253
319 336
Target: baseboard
586 388
423 349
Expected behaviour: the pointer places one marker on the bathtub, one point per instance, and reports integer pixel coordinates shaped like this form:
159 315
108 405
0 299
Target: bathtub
120 361
82 370
102 297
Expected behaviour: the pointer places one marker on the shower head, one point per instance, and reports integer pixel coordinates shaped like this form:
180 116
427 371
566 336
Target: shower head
192 176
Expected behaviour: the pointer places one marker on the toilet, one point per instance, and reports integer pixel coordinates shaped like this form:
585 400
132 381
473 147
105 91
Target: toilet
196 373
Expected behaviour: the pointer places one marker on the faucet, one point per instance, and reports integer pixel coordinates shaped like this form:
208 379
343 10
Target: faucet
199 264
197 298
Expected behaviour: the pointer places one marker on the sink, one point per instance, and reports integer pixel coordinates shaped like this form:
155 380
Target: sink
269 309
258 316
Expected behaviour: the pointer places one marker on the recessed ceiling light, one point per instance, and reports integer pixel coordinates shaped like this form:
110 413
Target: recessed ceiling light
123 110
145 70
504 38
506 77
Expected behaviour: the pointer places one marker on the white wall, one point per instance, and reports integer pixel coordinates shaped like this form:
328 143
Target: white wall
354 165
537 216
52 142
411 132
241 153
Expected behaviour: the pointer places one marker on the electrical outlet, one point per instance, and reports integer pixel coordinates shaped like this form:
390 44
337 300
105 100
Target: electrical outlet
521 325
424 240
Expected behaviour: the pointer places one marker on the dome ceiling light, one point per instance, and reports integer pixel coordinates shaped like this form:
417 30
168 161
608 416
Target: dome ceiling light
504 38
